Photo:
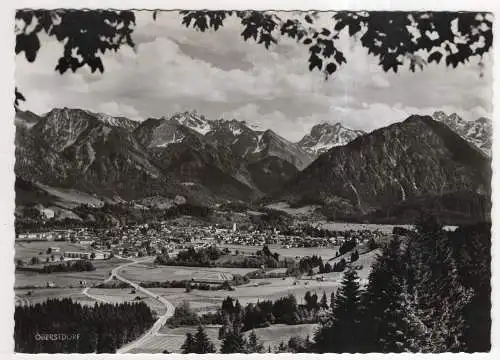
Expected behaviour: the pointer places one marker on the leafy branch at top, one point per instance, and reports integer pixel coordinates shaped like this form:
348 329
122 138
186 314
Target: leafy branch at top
86 34
395 38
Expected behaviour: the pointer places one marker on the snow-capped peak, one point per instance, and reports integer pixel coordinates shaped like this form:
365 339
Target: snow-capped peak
324 136
194 121
121 122
478 132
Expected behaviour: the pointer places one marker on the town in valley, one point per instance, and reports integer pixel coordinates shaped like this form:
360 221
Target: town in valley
200 181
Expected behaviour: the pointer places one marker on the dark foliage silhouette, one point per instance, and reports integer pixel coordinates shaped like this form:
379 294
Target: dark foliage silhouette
102 328
390 36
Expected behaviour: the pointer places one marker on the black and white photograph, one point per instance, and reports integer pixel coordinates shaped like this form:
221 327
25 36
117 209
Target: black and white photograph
252 181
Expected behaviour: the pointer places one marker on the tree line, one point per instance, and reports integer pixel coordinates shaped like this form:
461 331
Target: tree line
430 293
102 328
206 257
285 310
427 292
67 266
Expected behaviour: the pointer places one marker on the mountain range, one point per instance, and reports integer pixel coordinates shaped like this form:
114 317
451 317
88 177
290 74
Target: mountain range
419 158
477 132
324 136
212 161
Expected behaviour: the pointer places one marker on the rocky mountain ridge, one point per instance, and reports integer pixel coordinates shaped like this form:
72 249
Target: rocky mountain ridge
417 157
324 136
478 132
213 161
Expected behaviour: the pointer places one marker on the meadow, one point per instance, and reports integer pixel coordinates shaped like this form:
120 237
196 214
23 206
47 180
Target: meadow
70 279
36 296
172 339
324 252
152 272
341 226
25 250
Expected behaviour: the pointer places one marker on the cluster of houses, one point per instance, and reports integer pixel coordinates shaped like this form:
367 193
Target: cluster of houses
154 239
83 236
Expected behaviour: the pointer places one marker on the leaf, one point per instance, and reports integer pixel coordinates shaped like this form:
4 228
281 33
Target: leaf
315 49
20 43
331 68
201 23
31 46
99 65
74 64
325 32
354 27
267 39
307 41
315 61
62 65
308 19
339 58
25 15
328 49
249 31
435 56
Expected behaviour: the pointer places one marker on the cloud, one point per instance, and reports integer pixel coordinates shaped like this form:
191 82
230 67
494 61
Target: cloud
175 69
276 120
380 82
115 109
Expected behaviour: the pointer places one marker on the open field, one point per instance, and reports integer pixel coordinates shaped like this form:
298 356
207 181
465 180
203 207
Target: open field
123 295
66 279
292 252
366 260
26 250
115 295
260 289
104 295
307 210
41 295
151 272
273 335
173 339
70 197
338 226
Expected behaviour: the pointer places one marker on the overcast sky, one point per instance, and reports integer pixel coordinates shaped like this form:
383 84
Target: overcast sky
218 74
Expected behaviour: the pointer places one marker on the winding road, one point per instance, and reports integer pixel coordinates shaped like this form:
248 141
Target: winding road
153 331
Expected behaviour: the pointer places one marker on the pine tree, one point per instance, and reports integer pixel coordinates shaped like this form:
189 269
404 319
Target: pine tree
384 326
202 343
340 333
314 302
253 344
237 317
232 343
324 301
282 347
437 298
189 345
332 299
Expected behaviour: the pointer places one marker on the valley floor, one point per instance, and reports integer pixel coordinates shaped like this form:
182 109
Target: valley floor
164 338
